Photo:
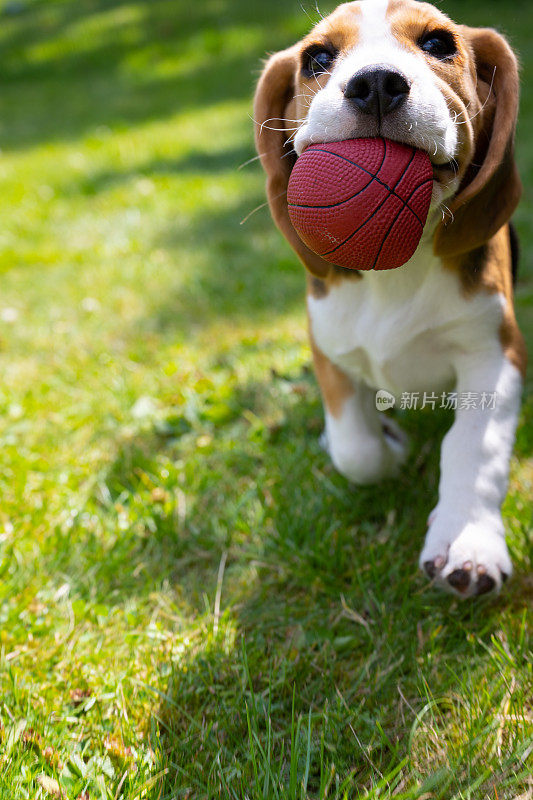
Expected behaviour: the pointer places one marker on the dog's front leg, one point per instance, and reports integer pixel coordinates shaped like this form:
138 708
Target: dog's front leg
365 445
465 546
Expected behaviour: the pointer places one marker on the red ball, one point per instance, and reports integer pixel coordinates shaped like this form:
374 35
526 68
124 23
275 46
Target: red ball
361 203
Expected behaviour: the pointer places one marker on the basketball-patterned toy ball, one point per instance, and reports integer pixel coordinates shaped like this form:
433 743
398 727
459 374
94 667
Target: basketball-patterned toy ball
361 203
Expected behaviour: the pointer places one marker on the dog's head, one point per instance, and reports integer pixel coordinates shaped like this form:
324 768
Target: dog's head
402 70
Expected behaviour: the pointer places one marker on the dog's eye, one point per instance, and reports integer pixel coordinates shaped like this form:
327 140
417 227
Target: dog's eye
439 44
317 61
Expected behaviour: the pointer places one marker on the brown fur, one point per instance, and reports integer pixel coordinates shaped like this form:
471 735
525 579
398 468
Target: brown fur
319 287
275 93
335 385
489 193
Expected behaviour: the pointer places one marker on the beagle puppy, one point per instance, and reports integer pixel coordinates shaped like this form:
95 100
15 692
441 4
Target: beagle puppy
445 321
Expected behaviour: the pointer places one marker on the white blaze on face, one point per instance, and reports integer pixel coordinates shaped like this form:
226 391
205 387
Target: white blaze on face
374 24
376 45
423 121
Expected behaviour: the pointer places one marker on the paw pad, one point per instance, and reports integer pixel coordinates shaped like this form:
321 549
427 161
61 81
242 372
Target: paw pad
465 580
459 579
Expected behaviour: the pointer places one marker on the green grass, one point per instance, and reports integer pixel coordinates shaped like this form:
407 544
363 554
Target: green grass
193 603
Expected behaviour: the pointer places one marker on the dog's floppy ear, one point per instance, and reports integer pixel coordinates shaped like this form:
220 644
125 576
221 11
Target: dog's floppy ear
274 103
491 188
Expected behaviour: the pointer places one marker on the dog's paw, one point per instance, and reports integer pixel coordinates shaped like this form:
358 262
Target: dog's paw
473 562
368 458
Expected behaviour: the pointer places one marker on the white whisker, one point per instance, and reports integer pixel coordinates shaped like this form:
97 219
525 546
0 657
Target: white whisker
445 208
258 208
307 14
268 127
323 70
282 119
318 10
250 161
469 119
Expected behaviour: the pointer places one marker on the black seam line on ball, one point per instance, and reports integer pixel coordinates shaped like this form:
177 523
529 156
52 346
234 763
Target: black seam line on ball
334 205
395 220
373 214
347 200
352 234
375 177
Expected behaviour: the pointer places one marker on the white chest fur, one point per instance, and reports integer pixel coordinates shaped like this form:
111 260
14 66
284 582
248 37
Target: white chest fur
401 329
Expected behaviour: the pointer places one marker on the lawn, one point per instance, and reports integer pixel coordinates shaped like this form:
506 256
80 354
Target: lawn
193 604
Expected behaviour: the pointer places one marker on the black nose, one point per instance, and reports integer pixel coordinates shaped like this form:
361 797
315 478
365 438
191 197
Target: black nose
377 91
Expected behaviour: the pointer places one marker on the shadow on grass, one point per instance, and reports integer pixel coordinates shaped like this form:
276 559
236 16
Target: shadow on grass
68 68
195 163
237 277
